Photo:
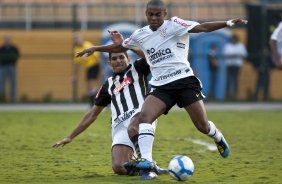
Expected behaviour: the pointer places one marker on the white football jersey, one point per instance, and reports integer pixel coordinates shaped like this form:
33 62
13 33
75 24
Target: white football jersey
166 49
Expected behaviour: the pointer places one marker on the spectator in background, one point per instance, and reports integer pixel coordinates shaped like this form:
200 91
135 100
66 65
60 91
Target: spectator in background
276 46
263 70
213 67
263 78
91 63
233 52
9 55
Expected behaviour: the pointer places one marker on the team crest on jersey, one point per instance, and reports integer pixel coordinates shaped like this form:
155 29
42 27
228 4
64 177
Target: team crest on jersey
163 32
126 81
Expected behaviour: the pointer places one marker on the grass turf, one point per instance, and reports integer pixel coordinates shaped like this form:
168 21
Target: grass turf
27 157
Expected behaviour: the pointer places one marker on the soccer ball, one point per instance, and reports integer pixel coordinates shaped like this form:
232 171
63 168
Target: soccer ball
181 167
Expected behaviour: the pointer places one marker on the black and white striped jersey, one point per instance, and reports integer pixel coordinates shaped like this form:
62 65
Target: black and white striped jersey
125 91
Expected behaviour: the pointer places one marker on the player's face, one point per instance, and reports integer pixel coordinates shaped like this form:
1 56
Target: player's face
155 17
118 62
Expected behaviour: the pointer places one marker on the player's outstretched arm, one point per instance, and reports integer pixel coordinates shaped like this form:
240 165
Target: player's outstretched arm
85 122
212 26
115 47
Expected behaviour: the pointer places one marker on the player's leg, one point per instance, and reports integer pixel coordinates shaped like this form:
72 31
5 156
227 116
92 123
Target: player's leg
122 150
120 155
198 116
191 98
133 133
152 108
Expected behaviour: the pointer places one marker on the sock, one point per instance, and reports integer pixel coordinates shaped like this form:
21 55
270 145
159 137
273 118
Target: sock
214 132
146 140
134 140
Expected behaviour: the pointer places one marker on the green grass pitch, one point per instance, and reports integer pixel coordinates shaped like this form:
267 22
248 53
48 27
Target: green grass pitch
26 155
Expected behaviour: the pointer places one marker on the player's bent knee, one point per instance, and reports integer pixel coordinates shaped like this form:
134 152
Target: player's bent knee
132 131
119 169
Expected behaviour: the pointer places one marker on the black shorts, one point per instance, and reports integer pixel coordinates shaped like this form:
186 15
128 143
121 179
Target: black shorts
182 92
93 72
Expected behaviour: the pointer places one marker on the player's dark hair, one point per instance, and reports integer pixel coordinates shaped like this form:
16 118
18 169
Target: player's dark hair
110 55
156 4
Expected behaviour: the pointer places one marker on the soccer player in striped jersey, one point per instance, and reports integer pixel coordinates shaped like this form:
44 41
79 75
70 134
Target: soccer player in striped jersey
165 44
125 91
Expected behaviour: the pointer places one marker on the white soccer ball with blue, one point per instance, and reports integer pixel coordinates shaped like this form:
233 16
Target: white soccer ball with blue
181 167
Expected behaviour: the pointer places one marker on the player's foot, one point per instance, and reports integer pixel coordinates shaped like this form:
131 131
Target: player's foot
138 166
160 170
223 147
131 170
148 175
140 163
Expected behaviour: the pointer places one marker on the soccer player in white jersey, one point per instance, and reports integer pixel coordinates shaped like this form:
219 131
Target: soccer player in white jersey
276 45
125 91
165 45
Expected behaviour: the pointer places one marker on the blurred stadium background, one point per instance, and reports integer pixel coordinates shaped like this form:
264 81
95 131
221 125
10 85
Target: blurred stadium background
43 31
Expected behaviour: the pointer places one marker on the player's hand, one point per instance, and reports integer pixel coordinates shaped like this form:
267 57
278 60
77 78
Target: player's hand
233 22
62 142
88 52
116 36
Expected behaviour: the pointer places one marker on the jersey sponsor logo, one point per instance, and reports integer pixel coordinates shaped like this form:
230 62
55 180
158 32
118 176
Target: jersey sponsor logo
177 21
126 81
128 40
181 45
160 55
99 93
121 118
169 75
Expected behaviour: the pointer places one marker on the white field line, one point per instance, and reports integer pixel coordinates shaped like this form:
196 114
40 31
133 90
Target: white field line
207 145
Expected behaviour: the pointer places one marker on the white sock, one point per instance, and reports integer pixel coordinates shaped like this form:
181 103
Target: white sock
214 132
146 140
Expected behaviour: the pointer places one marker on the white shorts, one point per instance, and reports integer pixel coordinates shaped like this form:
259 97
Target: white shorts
120 135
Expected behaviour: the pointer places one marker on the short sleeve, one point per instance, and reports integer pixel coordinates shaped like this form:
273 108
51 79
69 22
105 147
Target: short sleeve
181 26
130 42
142 66
103 98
